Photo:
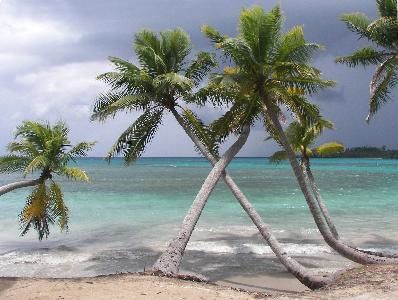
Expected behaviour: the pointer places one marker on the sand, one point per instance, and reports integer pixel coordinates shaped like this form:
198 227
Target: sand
373 282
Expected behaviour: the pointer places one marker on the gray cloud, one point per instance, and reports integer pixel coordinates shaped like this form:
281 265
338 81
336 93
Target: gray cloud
51 52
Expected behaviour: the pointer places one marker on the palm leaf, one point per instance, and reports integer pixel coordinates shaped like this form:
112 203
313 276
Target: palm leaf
278 156
132 142
80 150
58 210
329 148
200 67
35 212
38 163
13 163
107 105
387 8
294 48
173 83
365 56
357 23
73 173
383 81
203 132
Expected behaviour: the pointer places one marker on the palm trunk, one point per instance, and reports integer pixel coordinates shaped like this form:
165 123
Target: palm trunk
325 212
20 184
295 268
170 260
343 249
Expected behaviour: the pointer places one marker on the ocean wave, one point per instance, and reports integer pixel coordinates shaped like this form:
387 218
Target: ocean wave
248 248
42 257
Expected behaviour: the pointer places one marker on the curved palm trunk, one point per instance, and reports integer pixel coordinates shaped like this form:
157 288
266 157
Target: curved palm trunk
325 212
20 184
343 249
170 260
295 268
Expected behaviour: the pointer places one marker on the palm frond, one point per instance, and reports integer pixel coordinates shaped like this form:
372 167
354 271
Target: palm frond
73 173
200 67
173 83
387 8
13 163
58 210
213 35
365 57
80 150
384 80
40 162
234 119
357 23
203 132
384 32
259 30
175 47
132 142
329 148
278 156
107 105
294 48
148 49
35 212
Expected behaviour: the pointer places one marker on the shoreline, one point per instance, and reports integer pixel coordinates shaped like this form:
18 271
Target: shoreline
365 282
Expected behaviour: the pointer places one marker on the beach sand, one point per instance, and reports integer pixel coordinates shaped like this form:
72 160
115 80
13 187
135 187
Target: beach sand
372 282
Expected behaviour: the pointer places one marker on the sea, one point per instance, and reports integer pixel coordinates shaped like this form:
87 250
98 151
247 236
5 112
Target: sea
122 220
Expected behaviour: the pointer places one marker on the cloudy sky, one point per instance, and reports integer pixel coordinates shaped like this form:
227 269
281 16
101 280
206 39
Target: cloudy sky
51 52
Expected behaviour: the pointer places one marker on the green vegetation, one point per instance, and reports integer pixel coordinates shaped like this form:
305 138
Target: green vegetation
364 152
44 149
383 34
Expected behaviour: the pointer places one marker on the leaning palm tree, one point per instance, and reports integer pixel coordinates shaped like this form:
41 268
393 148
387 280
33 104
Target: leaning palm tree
302 138
46 150
271 68
163 78
156 87
383 34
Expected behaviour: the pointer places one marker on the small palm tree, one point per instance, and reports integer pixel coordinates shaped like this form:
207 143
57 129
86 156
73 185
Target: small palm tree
44 149
274 67
302 139
383 33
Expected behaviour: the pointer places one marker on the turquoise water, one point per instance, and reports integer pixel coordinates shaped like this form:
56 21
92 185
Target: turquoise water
126 215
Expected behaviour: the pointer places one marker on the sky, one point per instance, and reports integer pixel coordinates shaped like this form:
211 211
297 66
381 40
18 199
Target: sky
52 51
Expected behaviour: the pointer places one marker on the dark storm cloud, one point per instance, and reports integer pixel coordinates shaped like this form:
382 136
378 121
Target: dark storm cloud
51 52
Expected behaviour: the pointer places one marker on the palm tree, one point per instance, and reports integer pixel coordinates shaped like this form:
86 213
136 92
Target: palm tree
273 65
157 86
162 79
40 147
301 138
383 34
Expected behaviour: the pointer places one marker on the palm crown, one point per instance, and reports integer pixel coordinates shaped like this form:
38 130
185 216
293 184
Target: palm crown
302 138
163 77
45 149
271 69
383 33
